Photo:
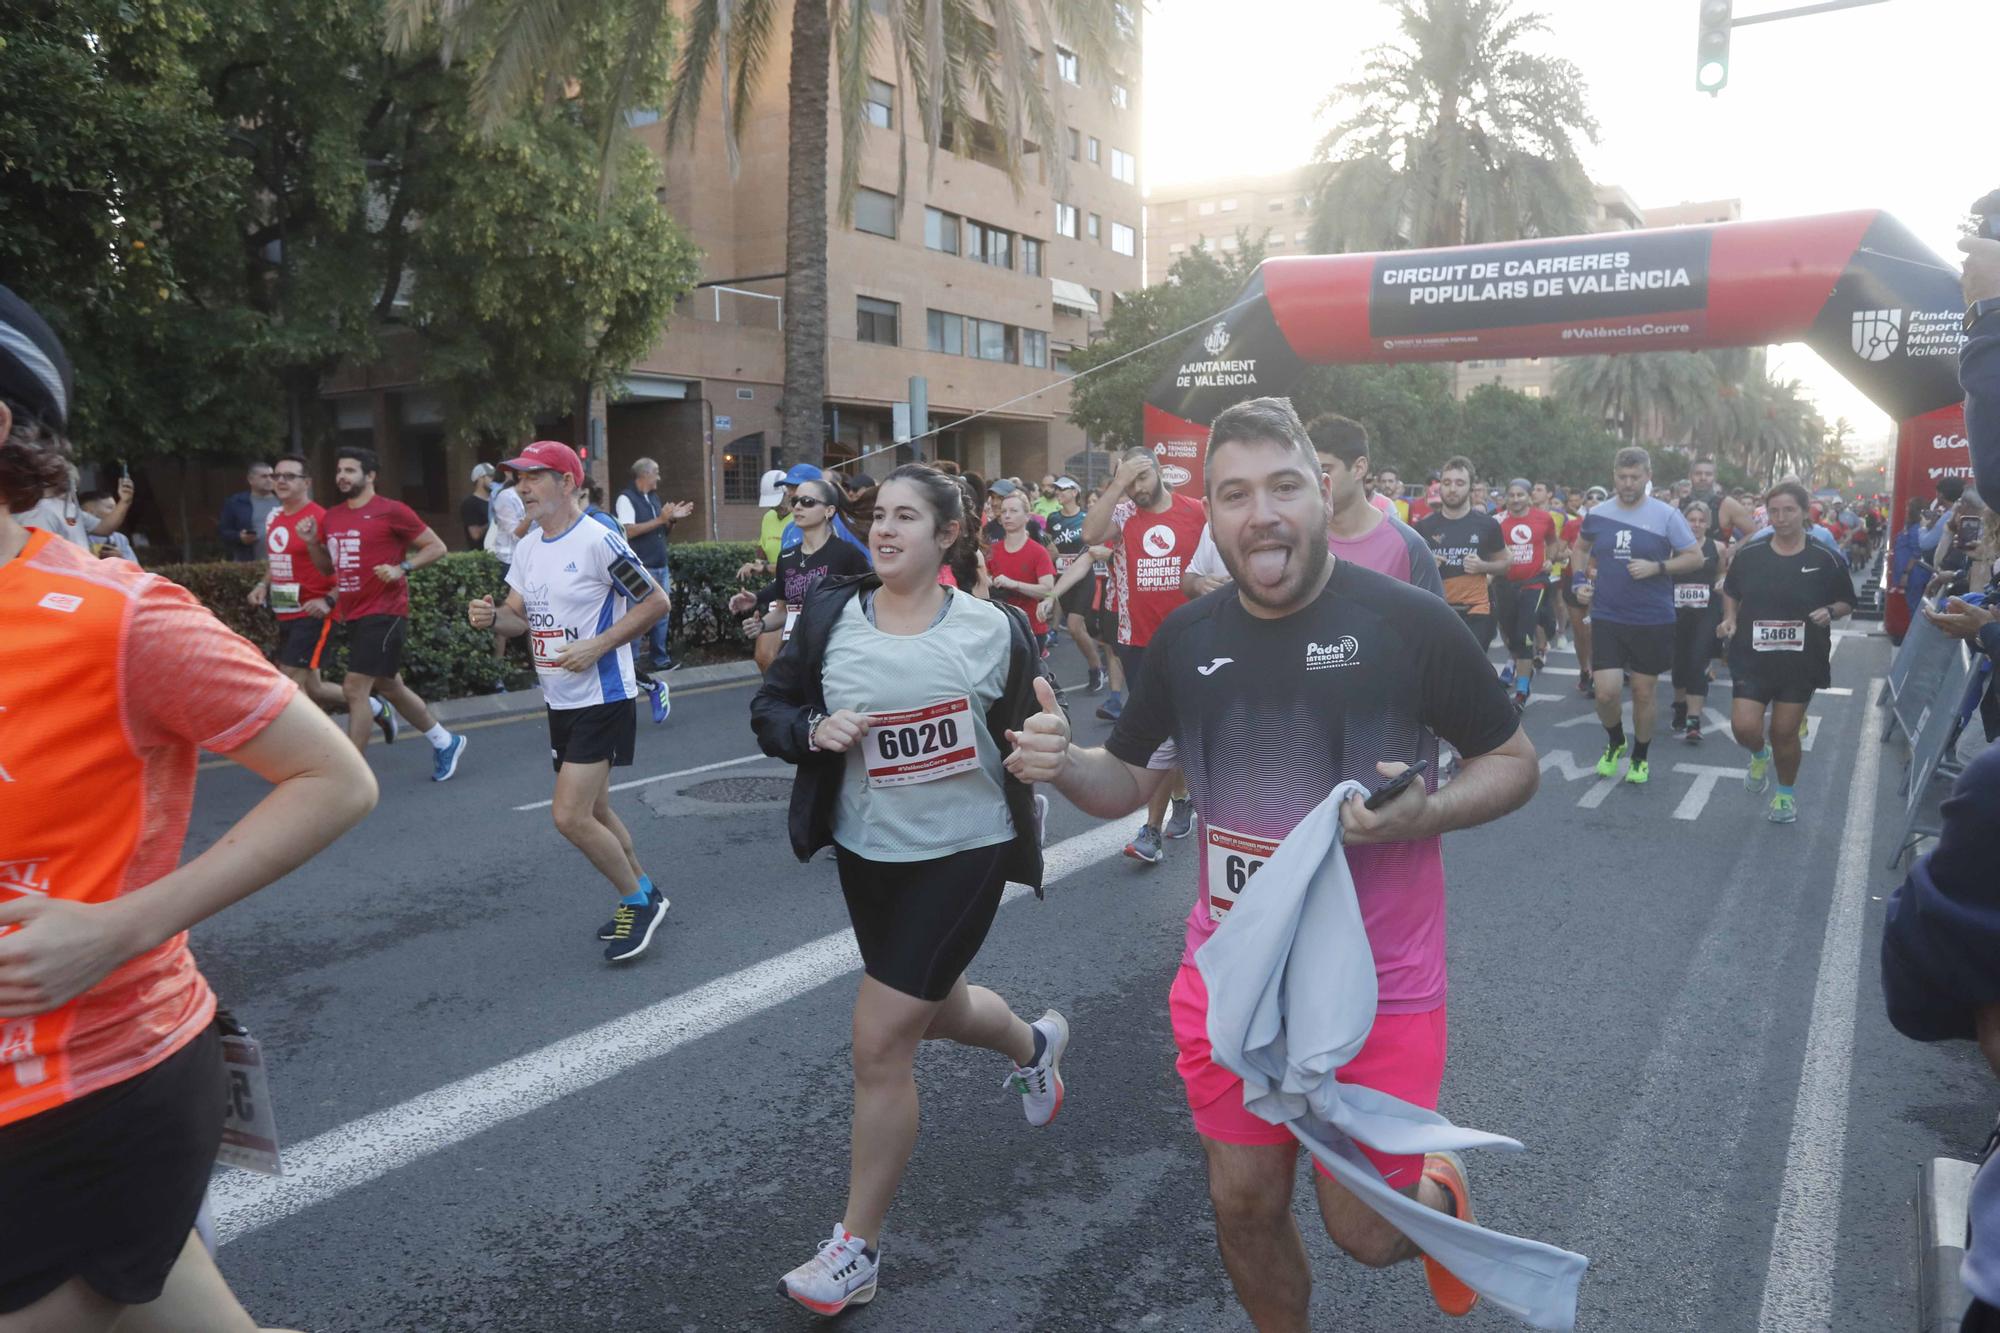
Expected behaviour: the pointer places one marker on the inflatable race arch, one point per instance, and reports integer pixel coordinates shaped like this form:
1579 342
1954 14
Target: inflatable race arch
1857 288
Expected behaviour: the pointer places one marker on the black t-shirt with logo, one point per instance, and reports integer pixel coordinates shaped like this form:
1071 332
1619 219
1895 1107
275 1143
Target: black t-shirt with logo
1695 593
1776 596
1455 540
1268 716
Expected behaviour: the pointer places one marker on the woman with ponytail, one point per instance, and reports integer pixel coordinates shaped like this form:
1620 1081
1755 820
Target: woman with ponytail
895 698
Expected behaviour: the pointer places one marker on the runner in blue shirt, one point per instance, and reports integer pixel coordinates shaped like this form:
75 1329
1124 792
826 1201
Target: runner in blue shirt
1633 544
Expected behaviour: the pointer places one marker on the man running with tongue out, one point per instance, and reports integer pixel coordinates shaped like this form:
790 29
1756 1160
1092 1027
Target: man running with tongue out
1308 671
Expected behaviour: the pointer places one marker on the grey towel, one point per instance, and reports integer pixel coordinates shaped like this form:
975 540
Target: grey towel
1285 1030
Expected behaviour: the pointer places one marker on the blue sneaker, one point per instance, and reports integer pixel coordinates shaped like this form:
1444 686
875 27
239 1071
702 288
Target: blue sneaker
444 762
1113 707
663 704
1507 674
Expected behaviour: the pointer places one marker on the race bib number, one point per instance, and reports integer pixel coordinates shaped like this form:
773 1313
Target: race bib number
791 618
249 1126
284 597
1694 595
548 645
921 744
1778 636
1232 859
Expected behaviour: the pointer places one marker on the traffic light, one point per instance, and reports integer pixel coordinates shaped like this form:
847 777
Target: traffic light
1711 61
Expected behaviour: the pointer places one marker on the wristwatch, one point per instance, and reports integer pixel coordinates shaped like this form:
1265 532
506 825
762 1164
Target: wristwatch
813 719
407 566
1979 310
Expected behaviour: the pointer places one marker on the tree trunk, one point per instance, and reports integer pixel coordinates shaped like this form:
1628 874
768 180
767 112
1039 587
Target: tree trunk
805 233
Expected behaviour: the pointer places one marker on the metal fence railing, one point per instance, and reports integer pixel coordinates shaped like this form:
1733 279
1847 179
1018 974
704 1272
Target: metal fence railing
1934 687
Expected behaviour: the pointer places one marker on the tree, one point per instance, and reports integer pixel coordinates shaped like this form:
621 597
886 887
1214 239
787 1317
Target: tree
1407 409
1458 135
1507 434
1642 395
1109 405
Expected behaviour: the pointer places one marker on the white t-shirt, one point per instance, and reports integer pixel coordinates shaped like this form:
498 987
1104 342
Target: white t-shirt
569 592
61 515
507 512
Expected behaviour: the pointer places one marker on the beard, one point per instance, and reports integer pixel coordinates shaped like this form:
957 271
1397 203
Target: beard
1304 567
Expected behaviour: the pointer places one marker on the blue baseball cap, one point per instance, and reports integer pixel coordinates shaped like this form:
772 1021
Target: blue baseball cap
802 472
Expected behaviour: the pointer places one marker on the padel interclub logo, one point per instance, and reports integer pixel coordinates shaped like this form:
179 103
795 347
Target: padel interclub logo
1877 334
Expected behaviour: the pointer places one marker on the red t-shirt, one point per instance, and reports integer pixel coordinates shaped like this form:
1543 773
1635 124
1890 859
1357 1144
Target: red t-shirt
294 577
1154 550
1527 539
1028 565
378 533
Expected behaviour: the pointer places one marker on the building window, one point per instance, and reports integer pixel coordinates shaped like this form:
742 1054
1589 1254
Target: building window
1229 242
941 231
1096 150
742 468
875 320
1075 144
1119 97
875 212
1060 360
1275 243
1532 390
1066 220
1176 248
1276 205
1066 65
1229 205
880 107
1035 348
1127 26
1124 240
946 332
1094 225
1300 237
989 245
1206 208
990 340
1097 299
1124 166
1031 256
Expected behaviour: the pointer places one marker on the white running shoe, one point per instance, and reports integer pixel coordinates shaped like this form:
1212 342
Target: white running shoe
1040 1084
840 1275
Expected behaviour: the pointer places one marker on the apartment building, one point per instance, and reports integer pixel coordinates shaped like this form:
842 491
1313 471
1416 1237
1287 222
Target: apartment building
981 289
1214 214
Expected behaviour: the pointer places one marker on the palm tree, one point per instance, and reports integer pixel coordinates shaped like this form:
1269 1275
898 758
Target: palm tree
1458 135
960 57
1659 395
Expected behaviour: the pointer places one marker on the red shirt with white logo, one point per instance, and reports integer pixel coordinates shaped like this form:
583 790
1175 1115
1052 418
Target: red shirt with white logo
294 577
1027 565
378 533
1527 537
1154 551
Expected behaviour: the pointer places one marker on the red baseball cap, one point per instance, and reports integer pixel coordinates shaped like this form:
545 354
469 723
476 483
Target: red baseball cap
548 456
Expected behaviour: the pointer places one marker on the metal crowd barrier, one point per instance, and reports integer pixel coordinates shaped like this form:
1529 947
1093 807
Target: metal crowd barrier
1934 687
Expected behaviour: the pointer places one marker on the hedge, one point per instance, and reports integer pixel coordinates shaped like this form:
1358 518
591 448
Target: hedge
445 657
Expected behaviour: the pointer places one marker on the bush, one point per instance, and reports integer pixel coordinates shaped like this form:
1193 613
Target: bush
445 658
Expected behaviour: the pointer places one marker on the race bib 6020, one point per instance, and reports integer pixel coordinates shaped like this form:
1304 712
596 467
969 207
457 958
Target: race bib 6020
921 744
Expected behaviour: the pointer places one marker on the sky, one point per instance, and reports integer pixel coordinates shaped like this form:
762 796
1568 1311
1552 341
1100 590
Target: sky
1883 106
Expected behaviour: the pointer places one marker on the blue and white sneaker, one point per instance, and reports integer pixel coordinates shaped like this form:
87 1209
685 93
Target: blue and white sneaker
662 701
444 760
840 1275
1112 708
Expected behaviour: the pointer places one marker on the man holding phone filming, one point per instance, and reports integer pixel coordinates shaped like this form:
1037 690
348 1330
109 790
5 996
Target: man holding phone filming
1305 672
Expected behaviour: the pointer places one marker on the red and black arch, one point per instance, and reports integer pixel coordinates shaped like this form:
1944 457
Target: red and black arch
1858 288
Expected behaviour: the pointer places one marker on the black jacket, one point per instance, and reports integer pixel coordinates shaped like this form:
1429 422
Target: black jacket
791 693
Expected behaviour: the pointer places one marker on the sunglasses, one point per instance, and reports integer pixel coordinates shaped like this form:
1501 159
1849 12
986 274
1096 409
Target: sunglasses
288 476
806 502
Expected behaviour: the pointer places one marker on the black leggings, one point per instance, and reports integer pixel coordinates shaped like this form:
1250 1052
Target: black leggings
1518 606
919 923
1694 645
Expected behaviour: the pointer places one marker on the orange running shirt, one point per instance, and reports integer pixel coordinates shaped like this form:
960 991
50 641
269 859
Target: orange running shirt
110 680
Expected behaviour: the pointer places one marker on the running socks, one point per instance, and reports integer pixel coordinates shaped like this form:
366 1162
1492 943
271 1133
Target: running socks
1783 790
374 706
1617 734
438 736
1041 1045
1639 749
643 896
1521 682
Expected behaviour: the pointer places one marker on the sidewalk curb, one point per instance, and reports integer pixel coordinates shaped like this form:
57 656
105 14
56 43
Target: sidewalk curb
516 702
1944 1184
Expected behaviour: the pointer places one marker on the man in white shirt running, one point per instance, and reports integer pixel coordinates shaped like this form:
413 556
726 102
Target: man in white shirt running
582 596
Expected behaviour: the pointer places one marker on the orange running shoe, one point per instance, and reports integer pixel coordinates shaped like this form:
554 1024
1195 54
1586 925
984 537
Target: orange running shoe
1452 1296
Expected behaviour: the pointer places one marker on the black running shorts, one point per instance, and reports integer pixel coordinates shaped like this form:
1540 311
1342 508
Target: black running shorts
106 1188
375 645
919 923
594 734
1643 650
1694 645
1518 606
1785 678
301 641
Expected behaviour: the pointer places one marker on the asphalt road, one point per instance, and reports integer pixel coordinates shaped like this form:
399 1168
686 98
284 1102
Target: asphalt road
491 1129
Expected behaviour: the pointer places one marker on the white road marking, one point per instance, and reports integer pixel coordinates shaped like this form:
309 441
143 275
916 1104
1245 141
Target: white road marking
1837 691
366 1149
1557 671
1705 778
1595 796
1798 1282
1565 762
660 777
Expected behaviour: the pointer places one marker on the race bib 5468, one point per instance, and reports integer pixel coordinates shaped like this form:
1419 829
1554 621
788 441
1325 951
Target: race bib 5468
1778 636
